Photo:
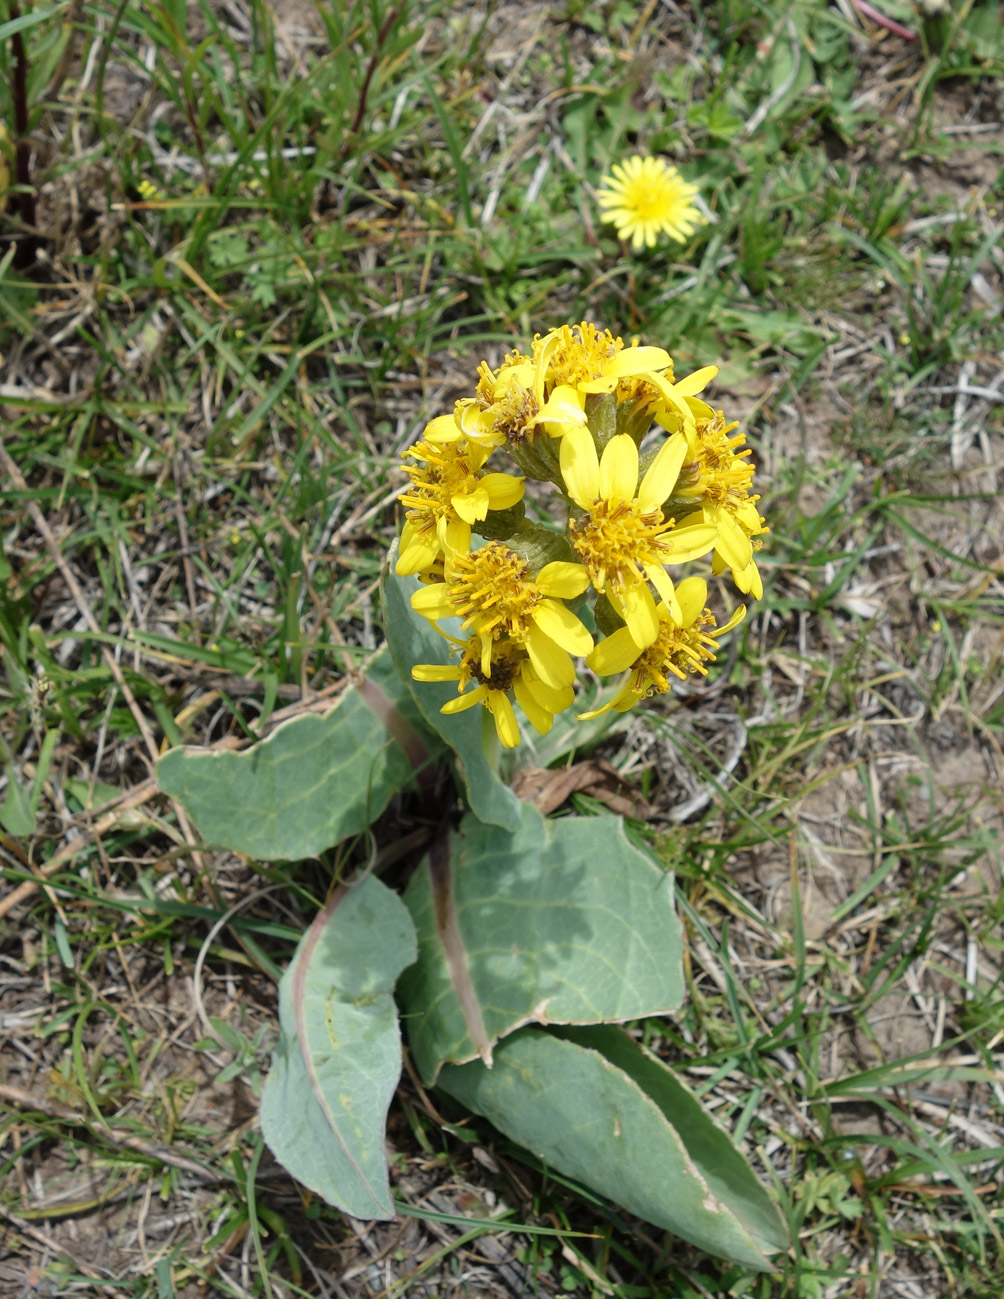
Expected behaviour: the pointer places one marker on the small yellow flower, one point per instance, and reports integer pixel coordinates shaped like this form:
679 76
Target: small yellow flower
717 482
448 494
622 537
645 197
495 594
509 668
682 645
678 405
511 407
587 360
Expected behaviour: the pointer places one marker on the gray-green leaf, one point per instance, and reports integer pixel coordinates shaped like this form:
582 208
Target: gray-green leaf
338 1060
315 780
594 1105
560 922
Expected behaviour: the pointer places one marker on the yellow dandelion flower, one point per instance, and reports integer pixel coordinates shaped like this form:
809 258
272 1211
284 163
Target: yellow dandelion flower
715 485
509 669
682 645
622 536
496 595
645 197
448 494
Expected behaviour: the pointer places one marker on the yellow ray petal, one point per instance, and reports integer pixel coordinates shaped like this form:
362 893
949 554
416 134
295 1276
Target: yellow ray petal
635 360
626 364
435 672
444 428
580 467
689 543
504 490
614 654
692 594
551 663
622 701
700 409
471 506
732 544
558 622
549 343
691 384
663 583
562 579
619 469
748 516
463 702
738 614
540 719
749 581
433 601
555 701
675 399
661 475
637 608
454 536
419 551
506 725
562 408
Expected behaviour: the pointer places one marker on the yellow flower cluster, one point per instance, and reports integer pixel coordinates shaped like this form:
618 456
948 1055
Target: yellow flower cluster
575 413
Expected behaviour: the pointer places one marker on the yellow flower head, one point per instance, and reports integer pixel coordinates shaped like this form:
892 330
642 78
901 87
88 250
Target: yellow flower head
587 359
505 405
488 378
575 353
509 668
718 481
511 409
495 594
677 404
646 197
681 646
448 494
622 536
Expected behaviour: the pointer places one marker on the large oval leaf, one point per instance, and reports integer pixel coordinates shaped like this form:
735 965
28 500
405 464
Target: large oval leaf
595 1106
412 640
560 922
338 1059
315 780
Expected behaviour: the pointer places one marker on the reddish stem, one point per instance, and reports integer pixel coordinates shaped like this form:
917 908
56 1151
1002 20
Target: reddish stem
24 199
876 15
382 35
